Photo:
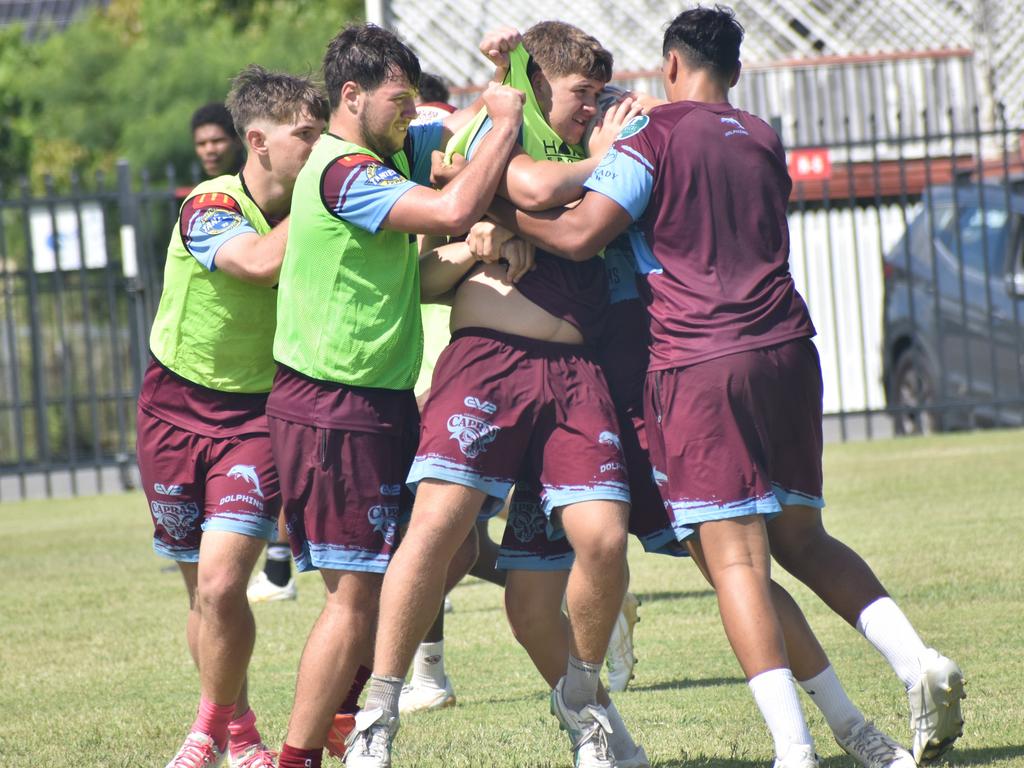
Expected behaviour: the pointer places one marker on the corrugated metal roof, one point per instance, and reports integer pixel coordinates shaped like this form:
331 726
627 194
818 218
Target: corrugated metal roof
988 34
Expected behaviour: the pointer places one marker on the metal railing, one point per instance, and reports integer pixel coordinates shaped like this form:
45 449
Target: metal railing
913 267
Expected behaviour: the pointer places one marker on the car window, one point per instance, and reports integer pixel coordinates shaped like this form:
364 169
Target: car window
983 236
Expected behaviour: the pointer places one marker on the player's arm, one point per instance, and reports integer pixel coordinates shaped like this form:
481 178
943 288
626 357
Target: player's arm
577 233
495 45
464 201
254 258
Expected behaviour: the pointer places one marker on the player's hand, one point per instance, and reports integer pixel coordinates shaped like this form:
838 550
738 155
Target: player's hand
485 241
519 254
496 45
610 125
504 104
440 172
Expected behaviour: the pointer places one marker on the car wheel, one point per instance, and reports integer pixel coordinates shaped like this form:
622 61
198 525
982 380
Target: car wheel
913 390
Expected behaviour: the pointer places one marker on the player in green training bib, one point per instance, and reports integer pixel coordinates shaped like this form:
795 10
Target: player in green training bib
203 445
349 341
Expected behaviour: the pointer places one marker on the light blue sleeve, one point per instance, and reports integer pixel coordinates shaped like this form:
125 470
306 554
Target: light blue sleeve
209 228
424 139
626 177
365 194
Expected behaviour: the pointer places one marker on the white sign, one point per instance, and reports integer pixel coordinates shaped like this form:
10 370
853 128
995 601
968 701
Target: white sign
68 241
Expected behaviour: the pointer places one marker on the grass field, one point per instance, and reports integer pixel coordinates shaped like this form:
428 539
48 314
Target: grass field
94 670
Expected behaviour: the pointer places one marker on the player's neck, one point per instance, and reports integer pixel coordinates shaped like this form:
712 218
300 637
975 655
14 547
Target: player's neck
268 192
346 127
698 87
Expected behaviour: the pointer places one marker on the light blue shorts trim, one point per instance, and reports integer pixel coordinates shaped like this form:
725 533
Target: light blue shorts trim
690 513
521 561
787 497
441 468
334 558
553 497
247 525
179 555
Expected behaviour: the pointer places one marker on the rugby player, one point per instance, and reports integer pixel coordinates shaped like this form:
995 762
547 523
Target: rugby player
215 140
518 385
733 393
203 447
349 341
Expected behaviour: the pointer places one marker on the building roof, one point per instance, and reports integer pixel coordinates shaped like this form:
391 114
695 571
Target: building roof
39 16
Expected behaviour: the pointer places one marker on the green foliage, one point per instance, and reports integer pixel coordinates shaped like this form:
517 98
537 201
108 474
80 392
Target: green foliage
123 81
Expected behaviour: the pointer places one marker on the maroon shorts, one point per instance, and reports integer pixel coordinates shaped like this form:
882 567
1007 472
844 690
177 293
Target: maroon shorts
196 483
737 435
501 405
342 478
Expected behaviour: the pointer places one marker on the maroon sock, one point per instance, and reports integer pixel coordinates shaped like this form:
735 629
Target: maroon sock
351 703
291 757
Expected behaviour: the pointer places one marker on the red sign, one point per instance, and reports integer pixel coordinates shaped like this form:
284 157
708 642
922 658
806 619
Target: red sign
810 165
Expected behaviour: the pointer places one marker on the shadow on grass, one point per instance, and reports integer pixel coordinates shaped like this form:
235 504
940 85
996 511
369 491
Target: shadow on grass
954 759
672 685
688 595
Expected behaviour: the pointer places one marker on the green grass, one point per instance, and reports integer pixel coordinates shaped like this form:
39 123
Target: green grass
94 670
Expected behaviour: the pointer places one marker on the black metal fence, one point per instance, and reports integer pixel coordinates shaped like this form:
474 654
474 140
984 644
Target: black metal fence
909 252
80 273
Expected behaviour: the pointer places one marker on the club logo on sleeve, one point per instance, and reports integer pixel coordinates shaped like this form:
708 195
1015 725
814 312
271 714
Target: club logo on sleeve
177 518
472 434
382 176
633 127
527 520
217 221
248 473
735 126
384 519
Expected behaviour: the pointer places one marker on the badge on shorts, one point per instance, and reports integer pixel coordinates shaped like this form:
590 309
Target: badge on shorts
633 127
175 517
384 519
527 520
472 434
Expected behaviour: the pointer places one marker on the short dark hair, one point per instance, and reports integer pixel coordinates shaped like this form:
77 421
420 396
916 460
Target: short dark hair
214 113
707 38
257 93
366 55
561 49
433 88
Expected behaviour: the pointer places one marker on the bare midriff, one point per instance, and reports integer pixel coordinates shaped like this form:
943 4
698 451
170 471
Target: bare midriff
484 301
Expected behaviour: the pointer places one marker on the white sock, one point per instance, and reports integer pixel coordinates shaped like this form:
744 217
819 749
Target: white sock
428 665
827 693
580 686
619 740
776 697
886 628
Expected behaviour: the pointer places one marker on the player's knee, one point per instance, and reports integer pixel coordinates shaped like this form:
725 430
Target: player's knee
220 593
602 547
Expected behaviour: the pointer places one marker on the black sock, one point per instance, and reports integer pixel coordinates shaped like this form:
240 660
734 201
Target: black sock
278 567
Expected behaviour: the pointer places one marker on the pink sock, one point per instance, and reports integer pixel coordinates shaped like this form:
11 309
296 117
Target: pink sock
242 733
212 719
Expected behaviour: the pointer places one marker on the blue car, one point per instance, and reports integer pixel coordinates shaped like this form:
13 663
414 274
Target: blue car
953 336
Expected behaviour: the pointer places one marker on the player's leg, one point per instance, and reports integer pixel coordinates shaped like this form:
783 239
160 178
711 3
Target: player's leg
340 638
537 569
843 580
275 580
429 687
705 436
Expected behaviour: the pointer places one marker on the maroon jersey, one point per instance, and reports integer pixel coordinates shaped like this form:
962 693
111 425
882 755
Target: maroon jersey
208 412
707 186
576 292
